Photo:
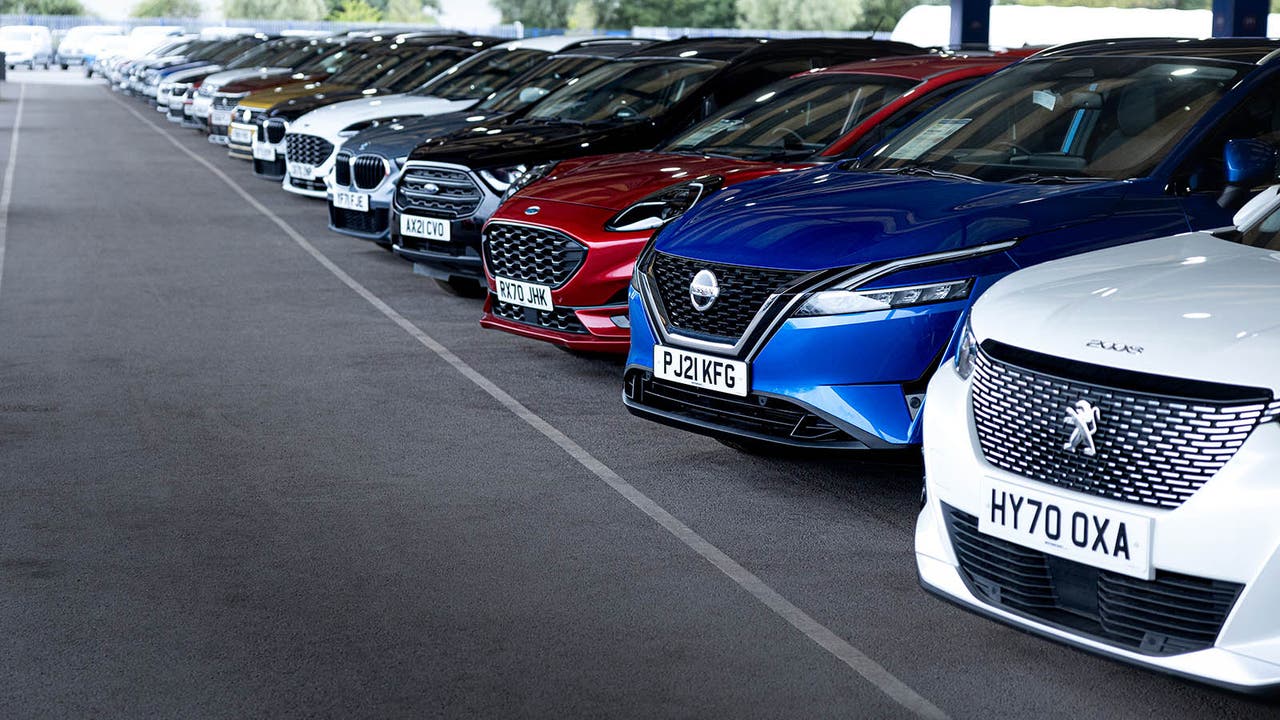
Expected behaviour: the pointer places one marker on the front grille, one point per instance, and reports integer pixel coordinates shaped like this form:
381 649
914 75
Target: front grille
373 222
1169 615
303 184
758 414
1151 448
307 149
368 171
222 102
342 170
439 191
531 254
558 319
273 130
743 290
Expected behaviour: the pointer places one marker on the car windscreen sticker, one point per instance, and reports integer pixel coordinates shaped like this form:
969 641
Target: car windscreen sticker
927 138
1046 99
699 135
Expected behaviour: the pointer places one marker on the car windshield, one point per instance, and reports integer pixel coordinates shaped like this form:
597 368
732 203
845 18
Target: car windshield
260 54
331 62
792 119
488 72
1263 234
1062 120
410 68
538 81
232 50
17 33
625 90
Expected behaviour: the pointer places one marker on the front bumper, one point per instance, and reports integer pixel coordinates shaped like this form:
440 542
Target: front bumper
1224 533
374 225
459 257
240 139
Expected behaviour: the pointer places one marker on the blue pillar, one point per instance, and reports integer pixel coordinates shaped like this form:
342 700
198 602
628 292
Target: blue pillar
1231 18
971 24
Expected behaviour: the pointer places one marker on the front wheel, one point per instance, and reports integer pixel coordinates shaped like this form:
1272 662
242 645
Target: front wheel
462 287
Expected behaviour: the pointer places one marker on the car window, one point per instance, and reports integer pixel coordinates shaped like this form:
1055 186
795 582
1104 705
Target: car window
888 127
1256 117
1064 119
490 71
625 90
538 81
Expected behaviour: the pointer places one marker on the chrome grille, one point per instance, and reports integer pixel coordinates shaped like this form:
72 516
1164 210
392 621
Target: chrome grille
439 191
273 130
743 290
307 149
342 170
531 254
223 102
1151 448
368 171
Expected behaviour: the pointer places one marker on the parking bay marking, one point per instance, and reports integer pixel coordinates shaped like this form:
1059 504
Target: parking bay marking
6 195
855 659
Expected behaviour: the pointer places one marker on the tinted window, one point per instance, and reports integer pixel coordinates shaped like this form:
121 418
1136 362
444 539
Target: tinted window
625 90
538 81
489 72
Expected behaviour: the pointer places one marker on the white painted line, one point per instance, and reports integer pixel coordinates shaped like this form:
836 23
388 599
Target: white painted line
6 195
858 661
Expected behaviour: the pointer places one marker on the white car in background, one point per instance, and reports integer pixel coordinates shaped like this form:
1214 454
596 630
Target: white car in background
75 47
1101 455
28 45
312 141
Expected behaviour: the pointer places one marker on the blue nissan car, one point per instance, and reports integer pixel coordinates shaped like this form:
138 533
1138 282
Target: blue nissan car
809 309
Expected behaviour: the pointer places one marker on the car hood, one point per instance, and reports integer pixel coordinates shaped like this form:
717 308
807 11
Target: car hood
616 181
530 143
398 139
328 121
296 107
1197 306
216 81
825 217
282 93
194 73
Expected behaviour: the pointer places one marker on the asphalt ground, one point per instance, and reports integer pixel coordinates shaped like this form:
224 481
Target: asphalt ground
245 473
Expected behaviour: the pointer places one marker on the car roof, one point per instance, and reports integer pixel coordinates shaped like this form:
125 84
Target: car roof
605 47
549 43
735 48
1242 50
924 67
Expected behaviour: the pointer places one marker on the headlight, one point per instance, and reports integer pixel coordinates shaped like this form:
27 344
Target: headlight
665 205
966 351
500 179
841 301
527 178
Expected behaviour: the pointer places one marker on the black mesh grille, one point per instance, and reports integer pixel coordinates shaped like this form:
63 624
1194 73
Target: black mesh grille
307 149
742 291
757 414
368 171
373 222
342 170
1150 449
273 130
269 168
531 254
1169 615
307 184
438 191
559 319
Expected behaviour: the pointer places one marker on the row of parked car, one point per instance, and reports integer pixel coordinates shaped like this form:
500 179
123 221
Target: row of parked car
1054 270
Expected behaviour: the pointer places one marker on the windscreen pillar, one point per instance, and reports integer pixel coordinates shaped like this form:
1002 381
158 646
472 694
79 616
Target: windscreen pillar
1231 18
971 24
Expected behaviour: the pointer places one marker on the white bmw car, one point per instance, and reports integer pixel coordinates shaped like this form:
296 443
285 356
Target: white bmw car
1100 457
313 139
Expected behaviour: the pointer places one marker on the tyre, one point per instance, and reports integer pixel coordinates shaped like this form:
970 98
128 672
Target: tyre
463 287
65 66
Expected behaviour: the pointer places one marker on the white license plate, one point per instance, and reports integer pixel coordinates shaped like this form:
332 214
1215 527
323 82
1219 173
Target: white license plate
1086 533
351 201
703 371
525 294
301 170
220 117
241 136
262 151
425 227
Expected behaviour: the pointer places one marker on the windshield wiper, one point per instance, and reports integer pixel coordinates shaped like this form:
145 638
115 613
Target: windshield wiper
1044 179
924 171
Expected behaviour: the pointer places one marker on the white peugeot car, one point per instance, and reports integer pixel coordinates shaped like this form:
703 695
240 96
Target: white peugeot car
1100 456
313 139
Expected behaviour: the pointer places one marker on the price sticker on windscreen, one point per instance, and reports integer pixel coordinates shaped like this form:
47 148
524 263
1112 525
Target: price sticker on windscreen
927 138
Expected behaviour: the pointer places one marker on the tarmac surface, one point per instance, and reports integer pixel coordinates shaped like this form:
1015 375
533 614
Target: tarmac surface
250 471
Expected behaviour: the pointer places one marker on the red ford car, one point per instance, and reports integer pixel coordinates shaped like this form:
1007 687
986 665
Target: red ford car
559 252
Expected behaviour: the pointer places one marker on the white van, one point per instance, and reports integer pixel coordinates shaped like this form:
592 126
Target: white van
28 45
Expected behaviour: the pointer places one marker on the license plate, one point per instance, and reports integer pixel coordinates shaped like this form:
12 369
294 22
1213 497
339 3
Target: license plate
703 371
262 151
351 201
220 117
1086 533
425 227
241 136
301 170
524 294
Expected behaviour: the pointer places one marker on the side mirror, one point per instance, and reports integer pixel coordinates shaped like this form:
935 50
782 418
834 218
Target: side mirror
1249 162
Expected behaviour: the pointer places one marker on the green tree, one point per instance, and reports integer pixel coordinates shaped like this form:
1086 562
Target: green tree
536 13
799 14
412 11
167 9
669 13
56 7
275 9
356 11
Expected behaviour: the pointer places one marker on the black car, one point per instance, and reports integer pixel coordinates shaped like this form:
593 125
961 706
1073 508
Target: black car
396 68
387 145
450 186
